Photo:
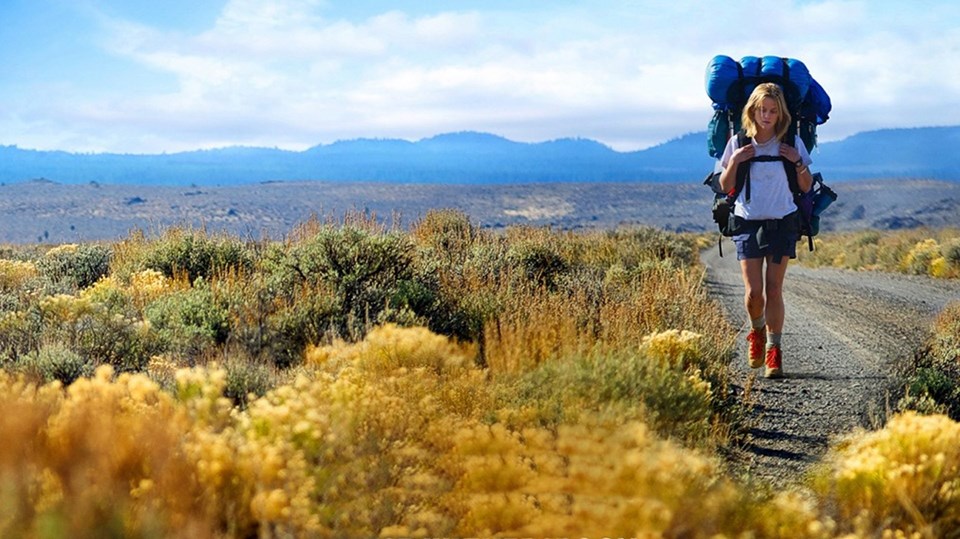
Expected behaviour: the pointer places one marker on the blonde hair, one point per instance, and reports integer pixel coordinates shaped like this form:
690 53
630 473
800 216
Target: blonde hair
773 91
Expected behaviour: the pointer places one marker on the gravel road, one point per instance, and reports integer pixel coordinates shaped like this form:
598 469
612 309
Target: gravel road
845 335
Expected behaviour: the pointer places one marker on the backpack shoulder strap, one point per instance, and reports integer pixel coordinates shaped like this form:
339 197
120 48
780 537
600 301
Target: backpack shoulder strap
742 139
791 169
743 171
794 183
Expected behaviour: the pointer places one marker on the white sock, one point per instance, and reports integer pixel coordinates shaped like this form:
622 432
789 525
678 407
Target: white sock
773 339
759 322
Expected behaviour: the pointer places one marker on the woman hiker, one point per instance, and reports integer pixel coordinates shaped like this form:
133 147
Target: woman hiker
767 218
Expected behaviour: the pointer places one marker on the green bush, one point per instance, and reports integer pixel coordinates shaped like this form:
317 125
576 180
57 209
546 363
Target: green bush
363 269
20 333
951 251
672 400
931 390
308 319
633 247
193 254
448 233
245 378
124 343
538 263
74 267
189 322
932 382
56 362
87 327
870 237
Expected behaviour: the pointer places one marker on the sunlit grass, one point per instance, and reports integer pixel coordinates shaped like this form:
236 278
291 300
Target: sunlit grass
933 252
358 380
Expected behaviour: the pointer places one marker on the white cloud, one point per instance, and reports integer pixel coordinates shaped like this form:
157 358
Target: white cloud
630 74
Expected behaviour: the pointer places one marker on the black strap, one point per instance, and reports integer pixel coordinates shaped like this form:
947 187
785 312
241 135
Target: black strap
743 171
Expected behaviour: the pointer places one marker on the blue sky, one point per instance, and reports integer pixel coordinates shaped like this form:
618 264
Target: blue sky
152 76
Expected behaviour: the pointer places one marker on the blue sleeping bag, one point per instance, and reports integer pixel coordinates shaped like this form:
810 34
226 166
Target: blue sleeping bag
729 84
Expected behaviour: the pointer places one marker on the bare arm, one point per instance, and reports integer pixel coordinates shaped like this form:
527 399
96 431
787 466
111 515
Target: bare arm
804 178
728 178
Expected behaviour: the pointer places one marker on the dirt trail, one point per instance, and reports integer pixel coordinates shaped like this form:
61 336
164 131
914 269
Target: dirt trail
844 336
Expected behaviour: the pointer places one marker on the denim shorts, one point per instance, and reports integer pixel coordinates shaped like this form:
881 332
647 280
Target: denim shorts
759 239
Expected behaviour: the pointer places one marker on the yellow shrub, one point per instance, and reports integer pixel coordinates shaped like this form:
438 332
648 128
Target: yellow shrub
103 455
919 258
100 291
65 308
14 273
377 445
903 478
390 347
66 248
939 267
148 285
671 347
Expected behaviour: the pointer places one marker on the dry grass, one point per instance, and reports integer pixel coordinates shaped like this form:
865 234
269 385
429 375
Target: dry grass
916 251
442 382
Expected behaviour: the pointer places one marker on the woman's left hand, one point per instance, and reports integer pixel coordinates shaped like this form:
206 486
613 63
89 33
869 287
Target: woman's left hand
789 152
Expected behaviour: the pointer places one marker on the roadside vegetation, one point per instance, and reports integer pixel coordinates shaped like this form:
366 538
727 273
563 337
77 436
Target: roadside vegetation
932 380
359 380
933 252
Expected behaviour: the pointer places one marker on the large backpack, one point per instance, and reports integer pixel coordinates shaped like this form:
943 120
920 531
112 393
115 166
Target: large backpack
729 85
810 204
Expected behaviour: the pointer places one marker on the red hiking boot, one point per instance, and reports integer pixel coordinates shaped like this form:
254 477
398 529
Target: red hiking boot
757 339
774 363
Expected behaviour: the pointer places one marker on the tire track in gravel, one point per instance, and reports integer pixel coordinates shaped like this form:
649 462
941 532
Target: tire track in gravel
845 335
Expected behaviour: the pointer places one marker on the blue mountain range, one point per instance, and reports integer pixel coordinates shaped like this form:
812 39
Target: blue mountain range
480 158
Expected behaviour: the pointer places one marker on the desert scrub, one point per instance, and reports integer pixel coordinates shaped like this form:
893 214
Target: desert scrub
92 330
609 308
312 315
15 274
191 322
446 233
932 381
903 479
632 247
397 435
918 251
185 253
362 268
20 334
247 380
919 258
537 261
57 476
72 267
668 382
271 325
20 284
55 362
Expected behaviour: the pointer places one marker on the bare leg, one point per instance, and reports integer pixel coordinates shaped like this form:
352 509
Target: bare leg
773 287
753 298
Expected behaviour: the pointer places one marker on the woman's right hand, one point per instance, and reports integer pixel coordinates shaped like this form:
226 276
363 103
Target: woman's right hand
742 155
738 157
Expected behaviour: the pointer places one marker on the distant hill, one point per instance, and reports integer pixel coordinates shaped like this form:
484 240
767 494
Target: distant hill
923 152
478 158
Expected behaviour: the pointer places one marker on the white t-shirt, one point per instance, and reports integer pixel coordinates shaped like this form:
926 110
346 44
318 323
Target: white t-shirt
770 196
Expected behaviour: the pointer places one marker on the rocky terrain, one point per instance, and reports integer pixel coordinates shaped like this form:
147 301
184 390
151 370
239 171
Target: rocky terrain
47 212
